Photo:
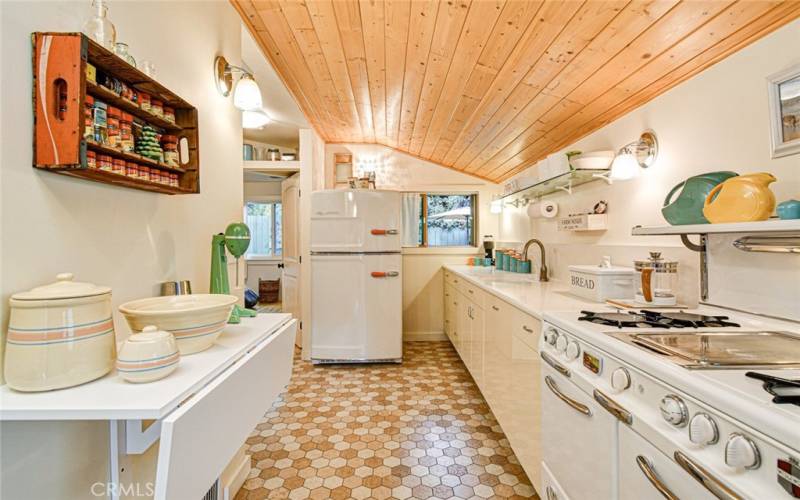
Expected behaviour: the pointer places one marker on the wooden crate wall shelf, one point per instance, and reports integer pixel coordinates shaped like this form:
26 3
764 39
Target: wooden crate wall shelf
60 87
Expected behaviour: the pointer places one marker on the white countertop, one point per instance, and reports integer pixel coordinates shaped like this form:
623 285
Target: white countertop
111 398
525 291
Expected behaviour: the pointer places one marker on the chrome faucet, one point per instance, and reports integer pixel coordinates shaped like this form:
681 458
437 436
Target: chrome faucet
543 269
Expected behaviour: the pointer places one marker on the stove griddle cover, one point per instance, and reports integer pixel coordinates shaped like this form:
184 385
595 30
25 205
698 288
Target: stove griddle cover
728 348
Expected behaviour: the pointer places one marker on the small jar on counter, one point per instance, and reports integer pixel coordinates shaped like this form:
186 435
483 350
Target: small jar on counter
112 124
169 143
91 159
118 166
132 169
88 120
104 162
144 101
126 132
169 114
157 107
144 173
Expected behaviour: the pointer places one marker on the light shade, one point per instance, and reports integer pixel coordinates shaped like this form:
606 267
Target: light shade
254 119
496 206
625 167
246 94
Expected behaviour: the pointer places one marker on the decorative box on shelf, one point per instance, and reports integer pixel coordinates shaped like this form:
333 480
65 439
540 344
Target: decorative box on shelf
68 91
583 222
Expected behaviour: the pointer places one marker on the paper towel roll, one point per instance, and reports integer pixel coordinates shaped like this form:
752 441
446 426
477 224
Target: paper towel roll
546 209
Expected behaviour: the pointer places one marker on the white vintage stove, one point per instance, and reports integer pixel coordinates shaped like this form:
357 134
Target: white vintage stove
703 403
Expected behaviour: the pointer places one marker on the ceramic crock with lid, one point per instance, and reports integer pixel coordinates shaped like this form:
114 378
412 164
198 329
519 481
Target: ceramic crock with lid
148 356
59 335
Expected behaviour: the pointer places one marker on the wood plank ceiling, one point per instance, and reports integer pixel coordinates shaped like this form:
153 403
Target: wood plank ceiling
490 87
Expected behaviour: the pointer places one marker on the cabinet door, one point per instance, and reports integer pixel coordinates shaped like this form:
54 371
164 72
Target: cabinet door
497 356
463 327
476 367
525 412
449 300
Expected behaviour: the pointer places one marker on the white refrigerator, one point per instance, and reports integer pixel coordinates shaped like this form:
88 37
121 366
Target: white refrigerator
356 281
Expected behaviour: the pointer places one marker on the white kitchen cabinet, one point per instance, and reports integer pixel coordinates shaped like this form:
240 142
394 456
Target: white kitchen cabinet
463 329
449 310
476 338
499 345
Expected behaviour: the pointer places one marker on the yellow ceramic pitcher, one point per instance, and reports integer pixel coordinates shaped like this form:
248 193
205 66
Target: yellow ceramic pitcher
745 198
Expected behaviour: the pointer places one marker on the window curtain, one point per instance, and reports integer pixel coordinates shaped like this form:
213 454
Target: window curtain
411 216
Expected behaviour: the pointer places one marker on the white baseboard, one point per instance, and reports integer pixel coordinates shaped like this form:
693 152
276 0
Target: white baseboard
424 336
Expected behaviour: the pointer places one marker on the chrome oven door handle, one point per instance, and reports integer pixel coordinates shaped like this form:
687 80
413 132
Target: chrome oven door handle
582 408
551 493
650 474
613 407
555 364
702 476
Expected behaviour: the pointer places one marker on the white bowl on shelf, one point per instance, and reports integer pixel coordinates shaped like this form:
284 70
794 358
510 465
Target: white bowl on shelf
593 160
195 320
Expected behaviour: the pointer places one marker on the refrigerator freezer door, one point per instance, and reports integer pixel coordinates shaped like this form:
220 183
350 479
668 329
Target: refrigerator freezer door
355 221
356 307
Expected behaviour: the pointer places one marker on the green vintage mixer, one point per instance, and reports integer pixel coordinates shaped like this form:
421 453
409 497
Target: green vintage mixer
236 239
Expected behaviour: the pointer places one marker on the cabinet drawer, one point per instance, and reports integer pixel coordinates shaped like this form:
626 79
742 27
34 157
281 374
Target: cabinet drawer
450 277
200 437
526 328
476 295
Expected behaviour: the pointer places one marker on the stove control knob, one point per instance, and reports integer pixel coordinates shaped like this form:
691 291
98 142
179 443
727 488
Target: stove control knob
620 379
703 430
550 336
741 452
573 350
674 410
561 343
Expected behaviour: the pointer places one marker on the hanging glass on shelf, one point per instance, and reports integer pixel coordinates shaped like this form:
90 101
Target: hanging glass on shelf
99 28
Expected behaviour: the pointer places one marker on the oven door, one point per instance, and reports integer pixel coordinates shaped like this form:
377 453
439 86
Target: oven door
647 474
578 440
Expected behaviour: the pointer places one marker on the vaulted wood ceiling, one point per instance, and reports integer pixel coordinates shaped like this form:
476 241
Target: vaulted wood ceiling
489 87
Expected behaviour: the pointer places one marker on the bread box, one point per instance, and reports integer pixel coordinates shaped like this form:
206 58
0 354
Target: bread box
600 283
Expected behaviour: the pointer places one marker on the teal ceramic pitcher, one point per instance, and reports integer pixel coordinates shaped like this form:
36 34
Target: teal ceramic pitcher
687 207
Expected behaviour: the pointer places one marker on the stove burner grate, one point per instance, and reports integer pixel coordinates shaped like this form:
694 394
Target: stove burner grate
620 319
784 391
683 319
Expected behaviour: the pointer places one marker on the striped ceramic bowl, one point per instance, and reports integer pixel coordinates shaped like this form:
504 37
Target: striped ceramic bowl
148 356
195 320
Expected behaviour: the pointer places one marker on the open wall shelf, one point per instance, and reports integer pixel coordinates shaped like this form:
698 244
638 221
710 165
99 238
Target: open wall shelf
61 85
771 225
564 182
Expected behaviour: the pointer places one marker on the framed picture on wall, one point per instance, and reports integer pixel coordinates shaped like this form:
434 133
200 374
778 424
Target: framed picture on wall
784 104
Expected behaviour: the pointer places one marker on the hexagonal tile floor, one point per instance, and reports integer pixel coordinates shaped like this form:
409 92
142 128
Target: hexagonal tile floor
416 430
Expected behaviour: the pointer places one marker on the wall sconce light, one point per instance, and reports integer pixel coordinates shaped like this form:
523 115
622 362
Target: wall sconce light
246 94
635 156
254 119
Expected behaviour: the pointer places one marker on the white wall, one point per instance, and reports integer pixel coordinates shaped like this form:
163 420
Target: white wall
717 120
127 239
422 277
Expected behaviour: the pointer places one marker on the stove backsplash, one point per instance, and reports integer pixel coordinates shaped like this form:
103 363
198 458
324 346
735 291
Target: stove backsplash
757 282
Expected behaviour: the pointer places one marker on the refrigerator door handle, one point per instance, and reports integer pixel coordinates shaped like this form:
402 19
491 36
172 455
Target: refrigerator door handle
383 232
384 274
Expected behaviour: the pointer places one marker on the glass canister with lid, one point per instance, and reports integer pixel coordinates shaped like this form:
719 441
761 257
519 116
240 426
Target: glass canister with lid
657 280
